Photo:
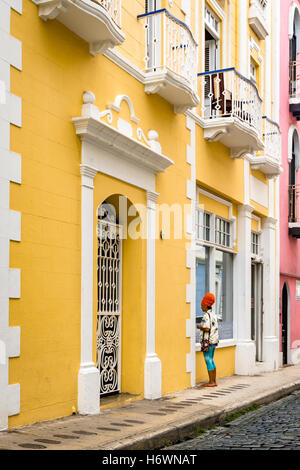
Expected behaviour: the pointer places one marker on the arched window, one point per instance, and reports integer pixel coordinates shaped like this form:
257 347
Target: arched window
293 157
294 35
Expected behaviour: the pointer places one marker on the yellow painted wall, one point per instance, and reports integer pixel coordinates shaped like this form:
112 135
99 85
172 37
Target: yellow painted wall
56 69
254 225
225 363
216 170
215 207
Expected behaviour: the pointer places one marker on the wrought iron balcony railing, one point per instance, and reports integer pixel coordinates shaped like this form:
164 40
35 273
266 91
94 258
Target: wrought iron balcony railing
269 159
272 140
294 193
113 8
295 79
171 58
228 94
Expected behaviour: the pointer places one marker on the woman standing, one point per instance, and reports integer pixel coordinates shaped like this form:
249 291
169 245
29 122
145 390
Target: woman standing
209 324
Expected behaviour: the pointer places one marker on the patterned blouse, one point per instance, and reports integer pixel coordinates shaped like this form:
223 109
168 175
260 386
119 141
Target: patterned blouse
209 320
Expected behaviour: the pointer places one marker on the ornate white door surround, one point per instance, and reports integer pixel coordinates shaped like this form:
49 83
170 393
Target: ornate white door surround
115 152
89 377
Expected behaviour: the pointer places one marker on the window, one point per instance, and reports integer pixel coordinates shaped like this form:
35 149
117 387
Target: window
203 225
224 293
255 243
212 22
214 269
202 281
253 71
222 232
212 35
151 5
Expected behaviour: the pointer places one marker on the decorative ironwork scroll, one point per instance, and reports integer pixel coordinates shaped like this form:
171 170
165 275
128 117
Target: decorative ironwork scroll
109 306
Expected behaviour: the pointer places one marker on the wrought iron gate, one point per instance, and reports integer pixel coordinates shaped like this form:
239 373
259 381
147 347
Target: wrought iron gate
109 307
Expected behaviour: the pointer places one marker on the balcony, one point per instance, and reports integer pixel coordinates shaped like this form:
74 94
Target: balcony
257 18
294 219
171 60
269 160
231 109
96 21
295 89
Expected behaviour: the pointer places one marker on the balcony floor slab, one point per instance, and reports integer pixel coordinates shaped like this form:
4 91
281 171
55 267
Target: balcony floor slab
233 133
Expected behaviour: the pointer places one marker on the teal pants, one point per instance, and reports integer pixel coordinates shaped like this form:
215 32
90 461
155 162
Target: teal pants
209 358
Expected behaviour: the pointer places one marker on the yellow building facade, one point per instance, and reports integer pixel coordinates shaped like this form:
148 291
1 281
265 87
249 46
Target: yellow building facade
140 163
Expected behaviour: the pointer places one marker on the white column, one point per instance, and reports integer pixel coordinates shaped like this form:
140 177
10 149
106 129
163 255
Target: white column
88 377
276 58
268 63
152 380
245 349
243 37
270 339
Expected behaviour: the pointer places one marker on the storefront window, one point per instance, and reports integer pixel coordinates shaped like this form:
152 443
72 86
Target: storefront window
224 293
202 282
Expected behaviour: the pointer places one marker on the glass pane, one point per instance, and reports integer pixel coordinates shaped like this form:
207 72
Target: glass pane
202 282
224 293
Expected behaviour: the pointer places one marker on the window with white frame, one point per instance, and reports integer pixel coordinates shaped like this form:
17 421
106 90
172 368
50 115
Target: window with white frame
203 225
212 22
224 293
214 269
223 232
255 242
202 281
212 37
253 71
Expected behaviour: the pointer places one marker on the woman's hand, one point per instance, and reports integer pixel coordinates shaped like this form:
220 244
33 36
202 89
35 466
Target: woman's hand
203 329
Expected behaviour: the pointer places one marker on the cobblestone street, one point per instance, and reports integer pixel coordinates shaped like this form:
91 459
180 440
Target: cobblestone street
274 426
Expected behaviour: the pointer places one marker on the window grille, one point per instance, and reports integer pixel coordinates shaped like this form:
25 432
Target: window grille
222 232
255 243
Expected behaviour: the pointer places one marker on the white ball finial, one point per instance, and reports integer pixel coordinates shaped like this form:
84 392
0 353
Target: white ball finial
89 97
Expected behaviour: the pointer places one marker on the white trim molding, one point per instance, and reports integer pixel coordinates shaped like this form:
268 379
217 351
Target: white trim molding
88 376
226 203
258 18
190 253
10 221
152 373
113 151
121 156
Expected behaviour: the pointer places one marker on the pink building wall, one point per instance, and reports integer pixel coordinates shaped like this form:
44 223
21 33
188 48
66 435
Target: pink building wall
289 246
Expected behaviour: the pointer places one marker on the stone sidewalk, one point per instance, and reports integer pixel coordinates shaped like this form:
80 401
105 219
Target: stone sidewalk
148 425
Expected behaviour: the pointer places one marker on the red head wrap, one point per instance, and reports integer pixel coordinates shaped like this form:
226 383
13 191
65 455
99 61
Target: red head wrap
208 300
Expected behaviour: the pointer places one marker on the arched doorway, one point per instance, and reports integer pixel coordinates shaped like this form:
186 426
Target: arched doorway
119 296
109 268
284 321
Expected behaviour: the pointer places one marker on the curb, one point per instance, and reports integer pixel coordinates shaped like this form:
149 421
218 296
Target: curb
178 433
